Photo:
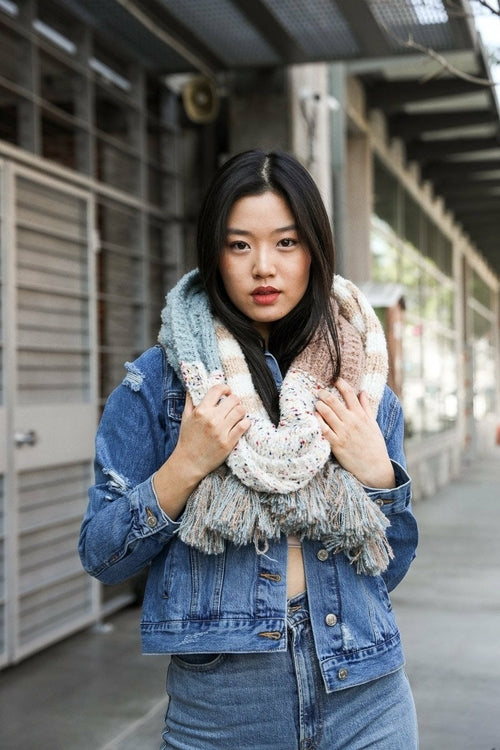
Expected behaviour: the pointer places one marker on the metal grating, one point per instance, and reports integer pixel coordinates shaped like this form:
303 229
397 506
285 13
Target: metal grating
224 30
107 16
53 588
53 335
254 33
120 283
318 26
426 23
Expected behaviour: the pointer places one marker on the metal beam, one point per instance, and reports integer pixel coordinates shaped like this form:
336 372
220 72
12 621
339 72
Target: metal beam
472 202
472 185
392 95
363 25
461 23
165 27
286 46
459 169
407 126
427 150
481 222
486 218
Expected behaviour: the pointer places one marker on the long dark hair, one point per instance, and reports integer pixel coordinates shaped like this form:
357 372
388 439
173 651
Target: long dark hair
253 173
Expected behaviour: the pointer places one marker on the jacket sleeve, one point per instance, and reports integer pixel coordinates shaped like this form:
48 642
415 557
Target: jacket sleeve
124 527
395 503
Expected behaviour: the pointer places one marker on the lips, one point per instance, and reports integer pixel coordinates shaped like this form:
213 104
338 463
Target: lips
265 295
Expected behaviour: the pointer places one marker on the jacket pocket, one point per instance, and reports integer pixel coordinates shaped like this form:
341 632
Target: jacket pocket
378 608
207 579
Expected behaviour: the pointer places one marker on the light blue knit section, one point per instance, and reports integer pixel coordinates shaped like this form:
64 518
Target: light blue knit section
187 332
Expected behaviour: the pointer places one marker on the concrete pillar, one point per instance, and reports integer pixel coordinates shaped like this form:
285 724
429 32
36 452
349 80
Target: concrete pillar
310 106
358 202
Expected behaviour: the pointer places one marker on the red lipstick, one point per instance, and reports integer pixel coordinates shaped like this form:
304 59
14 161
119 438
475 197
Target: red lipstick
265 295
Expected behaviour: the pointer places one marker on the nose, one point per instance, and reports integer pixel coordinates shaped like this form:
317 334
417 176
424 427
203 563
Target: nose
263 265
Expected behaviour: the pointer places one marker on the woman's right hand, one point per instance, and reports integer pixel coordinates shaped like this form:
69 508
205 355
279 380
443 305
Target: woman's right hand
208 434
210 430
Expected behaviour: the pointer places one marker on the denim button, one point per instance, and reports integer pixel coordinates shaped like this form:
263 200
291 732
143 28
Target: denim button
331 619
322 555
151 519
342 673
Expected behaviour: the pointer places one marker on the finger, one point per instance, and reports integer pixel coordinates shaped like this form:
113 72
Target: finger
365 402
347 392
329 420
323 425
332 399
331 406
239 428
234 415
214 394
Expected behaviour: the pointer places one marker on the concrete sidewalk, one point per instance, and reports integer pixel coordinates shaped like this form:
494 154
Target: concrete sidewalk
448 609
95 691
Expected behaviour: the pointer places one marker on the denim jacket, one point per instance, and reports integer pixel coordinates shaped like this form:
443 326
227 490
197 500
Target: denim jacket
235 601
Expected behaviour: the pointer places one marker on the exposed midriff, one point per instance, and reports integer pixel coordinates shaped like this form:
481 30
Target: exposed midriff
296 577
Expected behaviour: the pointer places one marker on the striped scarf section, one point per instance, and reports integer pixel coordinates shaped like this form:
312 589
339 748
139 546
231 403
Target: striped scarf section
280 479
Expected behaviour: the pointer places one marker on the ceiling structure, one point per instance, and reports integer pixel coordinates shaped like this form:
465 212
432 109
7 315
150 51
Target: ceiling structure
451 127
449 121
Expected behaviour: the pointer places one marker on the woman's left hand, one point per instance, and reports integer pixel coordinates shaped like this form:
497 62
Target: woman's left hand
354 435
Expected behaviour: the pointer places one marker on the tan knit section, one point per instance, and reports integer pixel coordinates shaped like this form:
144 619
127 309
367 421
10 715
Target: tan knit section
353 357
357 310
316 358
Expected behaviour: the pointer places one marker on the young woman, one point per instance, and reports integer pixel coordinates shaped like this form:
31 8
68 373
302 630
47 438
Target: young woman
254 459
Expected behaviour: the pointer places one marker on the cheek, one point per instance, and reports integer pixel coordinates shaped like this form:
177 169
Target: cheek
231 278
303 272
225 271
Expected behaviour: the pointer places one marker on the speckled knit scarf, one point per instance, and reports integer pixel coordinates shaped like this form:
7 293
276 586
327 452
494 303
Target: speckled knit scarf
280 479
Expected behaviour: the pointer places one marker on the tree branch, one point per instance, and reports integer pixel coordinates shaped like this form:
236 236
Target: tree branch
489 6
445 64
455 9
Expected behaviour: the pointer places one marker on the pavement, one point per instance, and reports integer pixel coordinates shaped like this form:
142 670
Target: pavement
95 691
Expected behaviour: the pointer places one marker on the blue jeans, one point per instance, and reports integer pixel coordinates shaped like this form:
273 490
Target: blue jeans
278 702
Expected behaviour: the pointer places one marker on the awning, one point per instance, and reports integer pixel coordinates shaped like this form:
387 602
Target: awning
449 123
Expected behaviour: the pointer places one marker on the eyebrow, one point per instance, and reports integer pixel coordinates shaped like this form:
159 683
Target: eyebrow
279 230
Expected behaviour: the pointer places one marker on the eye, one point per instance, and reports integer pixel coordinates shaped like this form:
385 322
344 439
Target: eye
238 245
287 242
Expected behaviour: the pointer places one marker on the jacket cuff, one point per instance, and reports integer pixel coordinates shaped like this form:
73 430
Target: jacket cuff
396 499
148 515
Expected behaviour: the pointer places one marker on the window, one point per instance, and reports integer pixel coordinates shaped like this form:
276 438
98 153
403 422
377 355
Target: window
409 248
482 324
386 196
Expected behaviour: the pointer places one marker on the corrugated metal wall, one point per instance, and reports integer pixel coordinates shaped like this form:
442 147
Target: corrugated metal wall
51 407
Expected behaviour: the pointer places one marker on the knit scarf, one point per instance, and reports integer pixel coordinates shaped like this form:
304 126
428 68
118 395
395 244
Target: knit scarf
280 479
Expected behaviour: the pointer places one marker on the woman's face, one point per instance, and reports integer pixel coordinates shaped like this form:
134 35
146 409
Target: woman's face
264 265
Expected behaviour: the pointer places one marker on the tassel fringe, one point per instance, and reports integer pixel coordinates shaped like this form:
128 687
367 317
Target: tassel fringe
222 508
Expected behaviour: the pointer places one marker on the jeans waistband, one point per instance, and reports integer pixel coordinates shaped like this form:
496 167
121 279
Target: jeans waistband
297 609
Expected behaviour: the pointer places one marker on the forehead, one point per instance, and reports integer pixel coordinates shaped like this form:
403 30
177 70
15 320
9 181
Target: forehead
267 209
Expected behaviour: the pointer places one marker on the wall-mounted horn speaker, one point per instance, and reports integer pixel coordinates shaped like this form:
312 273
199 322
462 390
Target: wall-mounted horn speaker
200 100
